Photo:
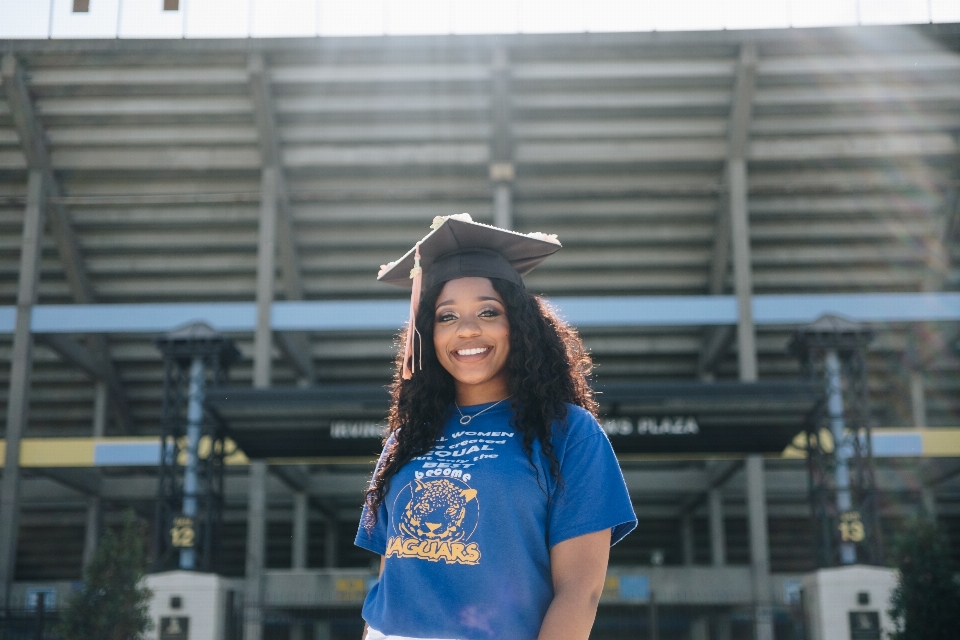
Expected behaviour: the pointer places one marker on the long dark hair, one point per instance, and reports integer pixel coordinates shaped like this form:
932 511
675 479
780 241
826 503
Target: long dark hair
547 367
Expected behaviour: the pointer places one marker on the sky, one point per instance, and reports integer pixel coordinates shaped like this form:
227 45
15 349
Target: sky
279 18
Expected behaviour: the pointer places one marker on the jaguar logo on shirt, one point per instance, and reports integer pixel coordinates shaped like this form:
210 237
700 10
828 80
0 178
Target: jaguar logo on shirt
434 520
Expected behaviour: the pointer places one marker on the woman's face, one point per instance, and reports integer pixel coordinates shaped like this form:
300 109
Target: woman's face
471 336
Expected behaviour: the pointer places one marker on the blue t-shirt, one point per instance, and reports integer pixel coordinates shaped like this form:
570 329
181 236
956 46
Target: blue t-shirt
467 528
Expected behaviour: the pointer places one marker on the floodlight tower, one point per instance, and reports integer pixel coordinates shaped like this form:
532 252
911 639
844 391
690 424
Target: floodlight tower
190 489
843 494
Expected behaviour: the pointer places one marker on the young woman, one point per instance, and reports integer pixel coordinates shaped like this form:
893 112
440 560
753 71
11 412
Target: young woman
497 496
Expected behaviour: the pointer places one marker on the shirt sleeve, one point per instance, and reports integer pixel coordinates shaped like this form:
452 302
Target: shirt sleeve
592 496
374 537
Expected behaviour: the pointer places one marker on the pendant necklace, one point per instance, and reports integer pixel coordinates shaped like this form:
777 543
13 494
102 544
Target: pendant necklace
466 419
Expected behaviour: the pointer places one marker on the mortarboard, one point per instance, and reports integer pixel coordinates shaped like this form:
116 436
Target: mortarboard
458 247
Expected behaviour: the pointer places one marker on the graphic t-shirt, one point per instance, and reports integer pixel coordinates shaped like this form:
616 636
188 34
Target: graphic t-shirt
467 528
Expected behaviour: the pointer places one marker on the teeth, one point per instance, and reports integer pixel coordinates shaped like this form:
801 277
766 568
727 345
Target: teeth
472 352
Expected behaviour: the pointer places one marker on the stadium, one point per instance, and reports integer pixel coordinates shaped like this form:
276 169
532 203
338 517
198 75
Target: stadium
754 221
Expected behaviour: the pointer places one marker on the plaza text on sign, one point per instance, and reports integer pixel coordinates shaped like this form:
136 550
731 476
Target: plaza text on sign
690 433
651 426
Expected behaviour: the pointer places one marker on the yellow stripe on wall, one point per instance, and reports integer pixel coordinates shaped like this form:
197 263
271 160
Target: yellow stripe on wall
939 443
56 452
79 452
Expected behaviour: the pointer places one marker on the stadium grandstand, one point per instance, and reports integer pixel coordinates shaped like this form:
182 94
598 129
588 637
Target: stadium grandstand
725 199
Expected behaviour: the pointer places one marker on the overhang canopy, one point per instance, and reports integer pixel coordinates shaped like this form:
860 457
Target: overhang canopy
346 421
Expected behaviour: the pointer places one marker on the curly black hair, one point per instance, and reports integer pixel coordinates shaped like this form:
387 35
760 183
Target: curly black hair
547 367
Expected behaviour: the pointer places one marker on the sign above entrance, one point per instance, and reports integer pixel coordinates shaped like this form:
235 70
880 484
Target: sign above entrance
341 421
651 426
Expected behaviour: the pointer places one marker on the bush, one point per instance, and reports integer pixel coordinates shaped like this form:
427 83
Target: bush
112 605
926 601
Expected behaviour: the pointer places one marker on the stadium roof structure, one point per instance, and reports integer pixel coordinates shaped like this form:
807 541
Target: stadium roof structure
161 158
619 143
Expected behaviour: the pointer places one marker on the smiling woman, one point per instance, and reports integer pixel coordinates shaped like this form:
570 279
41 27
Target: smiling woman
491 392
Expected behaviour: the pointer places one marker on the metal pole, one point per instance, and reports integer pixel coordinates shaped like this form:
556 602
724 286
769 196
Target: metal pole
841 448
188 556
21 364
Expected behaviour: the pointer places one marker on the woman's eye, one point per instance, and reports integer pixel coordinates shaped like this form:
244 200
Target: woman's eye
489 313
446 317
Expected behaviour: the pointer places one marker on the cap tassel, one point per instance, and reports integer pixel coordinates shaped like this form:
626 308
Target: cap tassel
416 274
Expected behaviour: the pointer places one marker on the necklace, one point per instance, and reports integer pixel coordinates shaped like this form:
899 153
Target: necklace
465 420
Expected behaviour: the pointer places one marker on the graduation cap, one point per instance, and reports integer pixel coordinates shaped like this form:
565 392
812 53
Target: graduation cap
458 247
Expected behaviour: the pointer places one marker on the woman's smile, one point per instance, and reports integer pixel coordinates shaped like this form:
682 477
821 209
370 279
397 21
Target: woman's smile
471 336
473 354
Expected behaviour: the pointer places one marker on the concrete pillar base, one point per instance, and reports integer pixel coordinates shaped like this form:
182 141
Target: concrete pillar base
699 629
723 627
321 630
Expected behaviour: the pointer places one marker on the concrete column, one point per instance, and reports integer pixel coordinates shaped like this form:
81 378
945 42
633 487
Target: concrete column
92 533
21 365
699 628
918 399
503 205
929 499
99 410
330 543
266 276
501 141
747 360
724 627
321 630
718 536
300 531
299 630
262 360
742 274
759 547
686 537
91 536
256 550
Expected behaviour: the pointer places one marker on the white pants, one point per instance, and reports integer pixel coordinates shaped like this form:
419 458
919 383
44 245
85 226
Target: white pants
373 634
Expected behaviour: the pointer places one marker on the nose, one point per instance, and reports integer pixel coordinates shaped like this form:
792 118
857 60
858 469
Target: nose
468 327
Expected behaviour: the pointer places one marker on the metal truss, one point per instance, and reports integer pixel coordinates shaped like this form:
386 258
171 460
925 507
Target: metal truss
190 492
842 481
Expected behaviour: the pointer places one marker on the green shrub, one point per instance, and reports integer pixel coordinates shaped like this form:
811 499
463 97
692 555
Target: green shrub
112 605
926 601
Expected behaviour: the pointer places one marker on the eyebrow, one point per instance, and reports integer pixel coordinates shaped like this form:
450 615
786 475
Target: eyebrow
480 299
